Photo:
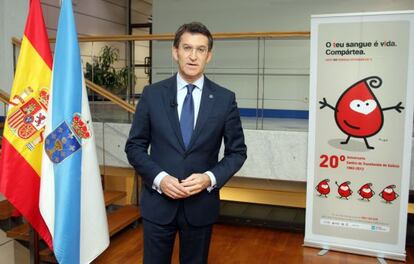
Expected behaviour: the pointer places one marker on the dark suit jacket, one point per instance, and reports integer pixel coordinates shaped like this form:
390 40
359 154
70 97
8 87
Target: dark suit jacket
156 124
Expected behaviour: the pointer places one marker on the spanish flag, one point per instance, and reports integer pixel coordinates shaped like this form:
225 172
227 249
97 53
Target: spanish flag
22 145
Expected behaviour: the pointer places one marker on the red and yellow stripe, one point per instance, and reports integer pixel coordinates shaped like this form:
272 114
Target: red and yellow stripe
20 167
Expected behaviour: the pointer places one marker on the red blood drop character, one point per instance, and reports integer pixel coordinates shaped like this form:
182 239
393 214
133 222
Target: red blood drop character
343 190
358 112
366 191
323 188
389 194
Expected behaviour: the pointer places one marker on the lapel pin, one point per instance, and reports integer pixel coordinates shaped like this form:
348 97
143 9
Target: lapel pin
211 96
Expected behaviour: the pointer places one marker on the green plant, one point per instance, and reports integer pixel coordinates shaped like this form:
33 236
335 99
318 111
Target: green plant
103 73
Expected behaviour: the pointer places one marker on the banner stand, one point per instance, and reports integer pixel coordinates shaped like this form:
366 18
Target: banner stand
360 132
358 251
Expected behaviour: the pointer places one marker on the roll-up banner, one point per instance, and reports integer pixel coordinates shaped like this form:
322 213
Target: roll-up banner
360 132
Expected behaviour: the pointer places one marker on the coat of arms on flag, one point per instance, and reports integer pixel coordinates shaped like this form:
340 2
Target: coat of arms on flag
64 140
28 120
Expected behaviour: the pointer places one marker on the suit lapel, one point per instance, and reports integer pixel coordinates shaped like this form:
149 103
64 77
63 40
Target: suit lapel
170 103
206 104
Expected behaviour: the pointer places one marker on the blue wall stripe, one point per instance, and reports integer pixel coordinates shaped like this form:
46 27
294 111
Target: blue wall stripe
274 113
251 112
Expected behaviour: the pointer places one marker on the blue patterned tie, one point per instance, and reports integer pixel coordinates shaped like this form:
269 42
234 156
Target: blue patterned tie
187 116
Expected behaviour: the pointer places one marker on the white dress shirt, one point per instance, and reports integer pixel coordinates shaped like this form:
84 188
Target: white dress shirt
181 93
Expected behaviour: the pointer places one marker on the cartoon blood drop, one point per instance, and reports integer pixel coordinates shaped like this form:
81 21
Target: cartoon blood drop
358 113
323 188
389 194
343 190
366 192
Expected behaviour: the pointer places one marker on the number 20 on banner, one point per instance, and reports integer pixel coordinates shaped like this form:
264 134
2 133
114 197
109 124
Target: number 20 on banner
332 161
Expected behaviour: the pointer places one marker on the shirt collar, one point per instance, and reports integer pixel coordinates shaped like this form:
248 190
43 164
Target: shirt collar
181 83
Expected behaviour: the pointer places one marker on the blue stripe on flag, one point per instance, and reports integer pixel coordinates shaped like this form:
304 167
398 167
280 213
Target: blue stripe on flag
67 100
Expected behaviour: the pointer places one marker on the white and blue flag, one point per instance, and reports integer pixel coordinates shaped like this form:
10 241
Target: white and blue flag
71 196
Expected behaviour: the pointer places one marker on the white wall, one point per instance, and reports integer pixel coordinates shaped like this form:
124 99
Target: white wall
12 21
11 251
93 17
235 64
141 11
2 49
102 17
9 11
264 15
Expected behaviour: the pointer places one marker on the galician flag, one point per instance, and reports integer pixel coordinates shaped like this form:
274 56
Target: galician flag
23 136
71 196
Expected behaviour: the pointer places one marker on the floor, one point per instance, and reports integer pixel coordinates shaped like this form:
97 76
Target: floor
236 244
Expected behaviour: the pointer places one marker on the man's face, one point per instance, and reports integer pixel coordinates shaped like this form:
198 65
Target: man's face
192 55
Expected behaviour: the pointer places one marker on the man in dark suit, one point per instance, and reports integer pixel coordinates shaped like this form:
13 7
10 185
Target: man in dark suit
184 120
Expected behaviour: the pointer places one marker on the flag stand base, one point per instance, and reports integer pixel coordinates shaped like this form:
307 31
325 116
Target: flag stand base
381 260
323 252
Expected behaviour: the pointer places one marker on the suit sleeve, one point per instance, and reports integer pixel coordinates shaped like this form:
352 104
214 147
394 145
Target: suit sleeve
235 150
139 140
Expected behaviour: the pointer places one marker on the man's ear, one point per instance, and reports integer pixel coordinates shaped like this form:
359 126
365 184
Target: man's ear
209 56
174 51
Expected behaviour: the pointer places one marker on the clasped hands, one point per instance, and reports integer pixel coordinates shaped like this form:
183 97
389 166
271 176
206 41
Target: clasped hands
194 184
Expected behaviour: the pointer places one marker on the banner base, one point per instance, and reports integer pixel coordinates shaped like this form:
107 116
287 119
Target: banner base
358 251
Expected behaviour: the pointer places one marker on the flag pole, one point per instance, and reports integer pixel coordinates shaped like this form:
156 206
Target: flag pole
34 246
